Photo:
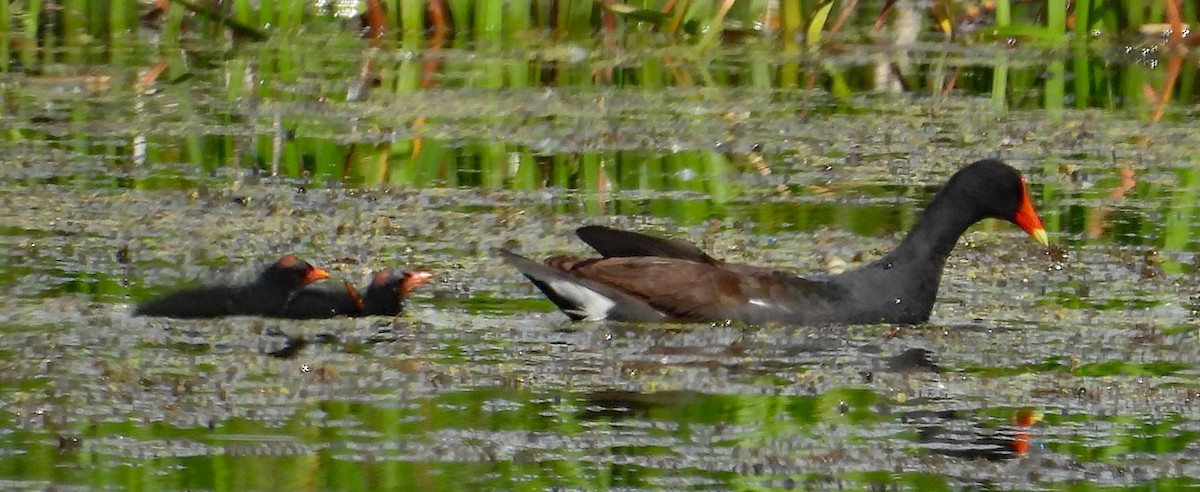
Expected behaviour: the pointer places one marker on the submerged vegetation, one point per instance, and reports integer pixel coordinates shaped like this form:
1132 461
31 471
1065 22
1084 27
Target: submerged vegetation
147 143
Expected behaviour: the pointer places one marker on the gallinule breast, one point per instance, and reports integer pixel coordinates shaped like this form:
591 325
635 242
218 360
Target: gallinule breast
384 297
268 295
648 279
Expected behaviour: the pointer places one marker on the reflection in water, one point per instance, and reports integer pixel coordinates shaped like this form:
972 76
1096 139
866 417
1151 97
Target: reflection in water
437 149
954 434
914 359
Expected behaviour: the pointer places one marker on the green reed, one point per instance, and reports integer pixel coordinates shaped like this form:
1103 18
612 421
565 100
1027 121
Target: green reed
412 16
37 36
71 22
30 44
6 36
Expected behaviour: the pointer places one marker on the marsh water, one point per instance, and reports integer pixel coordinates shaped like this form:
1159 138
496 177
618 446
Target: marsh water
1073 367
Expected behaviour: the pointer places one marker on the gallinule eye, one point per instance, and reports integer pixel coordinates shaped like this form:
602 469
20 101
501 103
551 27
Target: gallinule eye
268 295
648 279
384 297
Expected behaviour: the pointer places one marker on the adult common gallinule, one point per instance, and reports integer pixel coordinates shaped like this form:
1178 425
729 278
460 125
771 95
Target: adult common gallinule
650 279
384 297
268 295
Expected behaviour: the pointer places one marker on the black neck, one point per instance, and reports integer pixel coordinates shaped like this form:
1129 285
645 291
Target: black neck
937 231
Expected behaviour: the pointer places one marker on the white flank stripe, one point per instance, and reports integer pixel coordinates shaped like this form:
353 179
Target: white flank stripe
592 305
762 303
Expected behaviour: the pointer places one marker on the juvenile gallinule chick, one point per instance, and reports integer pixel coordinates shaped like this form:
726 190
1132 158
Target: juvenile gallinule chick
386 294
384 297
268 295
648 279
320 303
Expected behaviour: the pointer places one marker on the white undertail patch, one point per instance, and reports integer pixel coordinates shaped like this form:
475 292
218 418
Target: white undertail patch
592 305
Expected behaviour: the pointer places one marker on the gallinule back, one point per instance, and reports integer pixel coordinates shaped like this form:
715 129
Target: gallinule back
268 295
384 297
648 279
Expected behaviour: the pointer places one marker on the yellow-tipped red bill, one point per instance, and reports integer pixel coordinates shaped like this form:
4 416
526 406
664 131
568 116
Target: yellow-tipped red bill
1028 219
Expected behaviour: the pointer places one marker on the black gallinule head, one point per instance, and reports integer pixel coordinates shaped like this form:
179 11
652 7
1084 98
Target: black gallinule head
268 295
648 279
384 297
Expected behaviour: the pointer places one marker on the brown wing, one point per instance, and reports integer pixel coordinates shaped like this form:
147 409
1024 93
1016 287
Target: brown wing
615 242
687 290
